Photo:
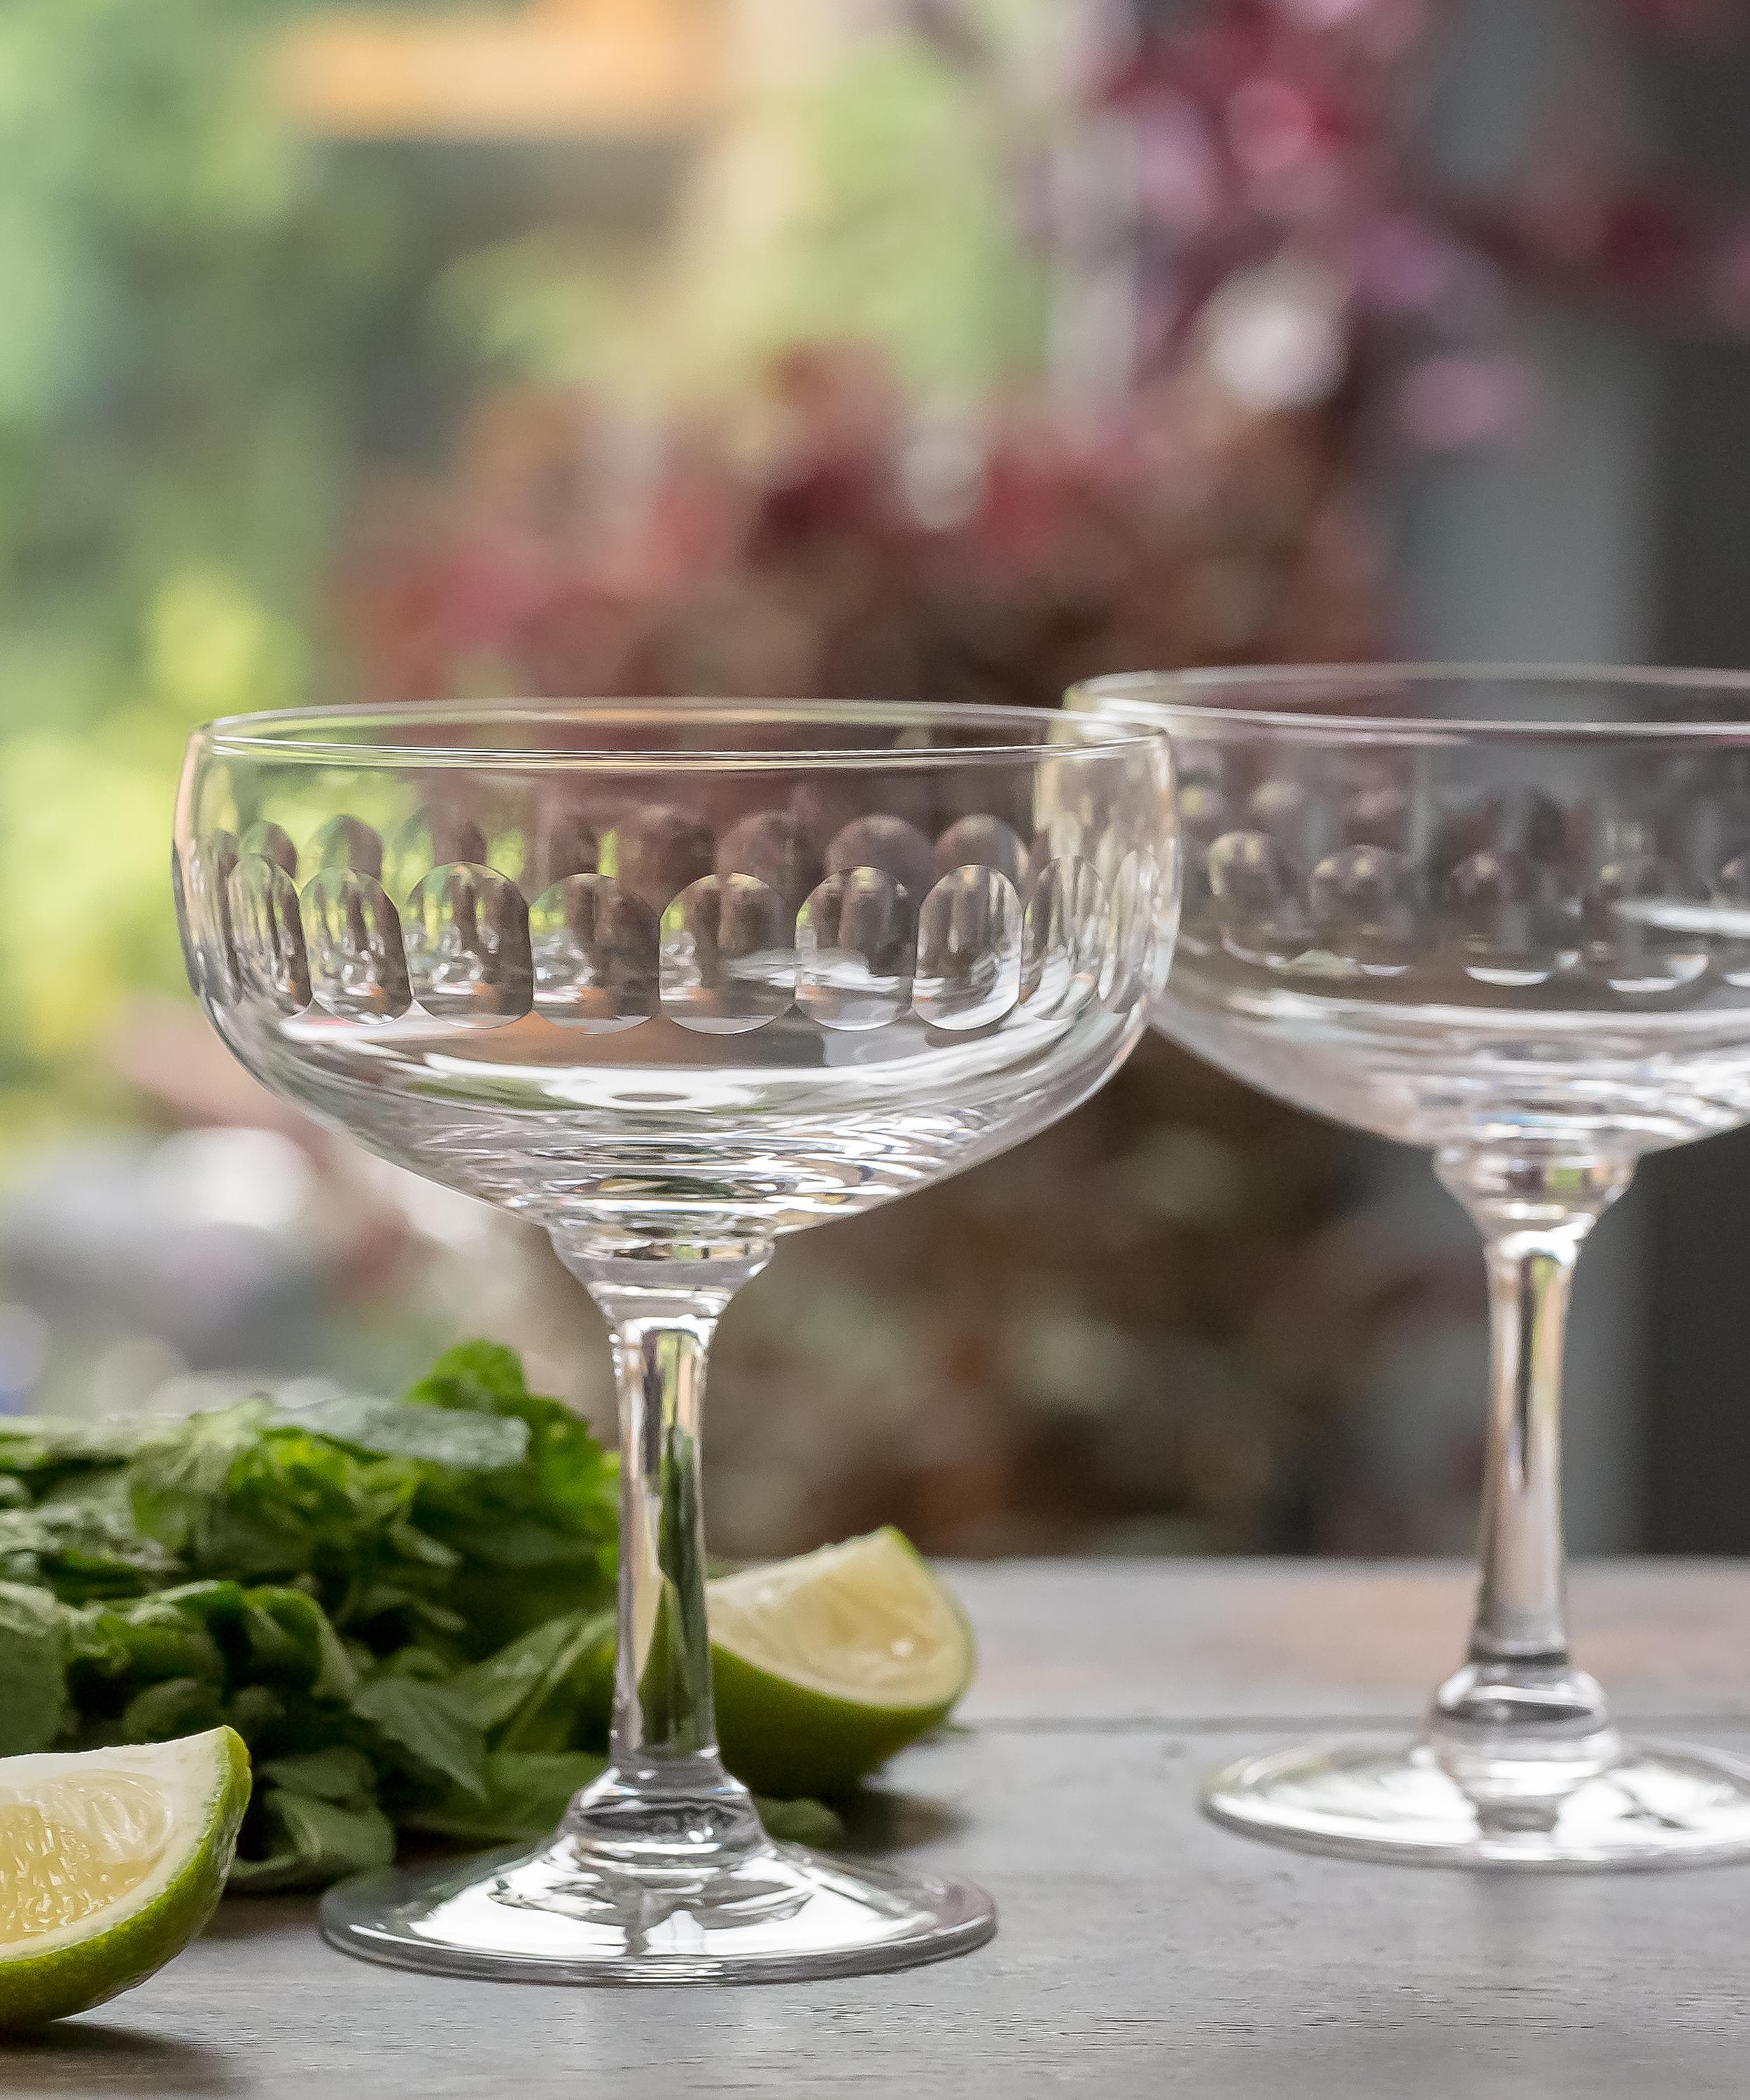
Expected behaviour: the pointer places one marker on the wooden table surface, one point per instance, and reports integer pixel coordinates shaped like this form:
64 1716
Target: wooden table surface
1141 1951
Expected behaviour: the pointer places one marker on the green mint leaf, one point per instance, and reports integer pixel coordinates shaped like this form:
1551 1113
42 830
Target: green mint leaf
290 1637
339 1774
523 1796
465 1443
148 1640
548 1691
81 1551
179 1476
424 1730
483 1377
297 1841
34 1707
179 1707
41 1453
257 1713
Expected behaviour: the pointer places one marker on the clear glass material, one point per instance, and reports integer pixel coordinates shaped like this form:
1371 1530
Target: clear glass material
1503 913
674 979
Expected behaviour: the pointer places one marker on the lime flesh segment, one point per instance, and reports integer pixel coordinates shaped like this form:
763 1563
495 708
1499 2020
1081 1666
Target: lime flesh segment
827 1664
111 1861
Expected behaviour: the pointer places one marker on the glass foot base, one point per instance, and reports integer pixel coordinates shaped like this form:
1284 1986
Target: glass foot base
563 1915
1661 1805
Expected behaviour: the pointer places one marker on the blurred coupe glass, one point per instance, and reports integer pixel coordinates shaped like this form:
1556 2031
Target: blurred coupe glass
1503 913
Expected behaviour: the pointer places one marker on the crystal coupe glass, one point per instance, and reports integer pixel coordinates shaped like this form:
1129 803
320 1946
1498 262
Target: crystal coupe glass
1504 913
672 979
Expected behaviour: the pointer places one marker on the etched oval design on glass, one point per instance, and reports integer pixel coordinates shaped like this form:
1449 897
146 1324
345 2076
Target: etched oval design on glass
209 902
968 972
1363 905
1645 927
348 842
1523 822
567 841
1257 900
185 925
352 938
428 842
271 842
1377 809
1504 916
267 935
657 852
979 841
593 947
775 847
1140 924
898 848
467 945
856 945
728 960
1063 941
1204 816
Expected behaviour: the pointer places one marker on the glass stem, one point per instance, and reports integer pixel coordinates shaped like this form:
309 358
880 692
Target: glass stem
1518 1726
665 1793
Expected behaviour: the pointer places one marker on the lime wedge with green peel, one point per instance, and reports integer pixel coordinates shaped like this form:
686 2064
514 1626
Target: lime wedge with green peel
825 1664
111 1861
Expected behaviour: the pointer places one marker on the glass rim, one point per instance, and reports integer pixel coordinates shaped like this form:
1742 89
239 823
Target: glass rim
1195 697
279 734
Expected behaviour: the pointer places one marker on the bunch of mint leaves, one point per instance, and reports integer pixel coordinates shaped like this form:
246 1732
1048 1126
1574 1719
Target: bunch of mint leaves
404 1607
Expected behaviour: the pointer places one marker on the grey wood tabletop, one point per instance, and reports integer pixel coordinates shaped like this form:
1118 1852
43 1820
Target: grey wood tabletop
1141 1950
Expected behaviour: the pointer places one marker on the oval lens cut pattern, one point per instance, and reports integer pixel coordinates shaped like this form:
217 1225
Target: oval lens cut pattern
352 938
1063 941
1506 919
1639 894
856 947
1205 816
968 970
774 846
657 852
185 926
430 841
1257 900
1138 941
1363 905
731 951
467 945
271 842
983 842
209 905
567 841
593 946
898 848
728 959
1644 925
267 935
349 842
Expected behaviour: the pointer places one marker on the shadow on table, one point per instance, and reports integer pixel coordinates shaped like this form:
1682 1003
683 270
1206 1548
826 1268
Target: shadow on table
249 1917
88 2056
877 1819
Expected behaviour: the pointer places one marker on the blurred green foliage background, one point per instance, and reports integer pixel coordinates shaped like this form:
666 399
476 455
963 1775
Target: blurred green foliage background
191 294
206 312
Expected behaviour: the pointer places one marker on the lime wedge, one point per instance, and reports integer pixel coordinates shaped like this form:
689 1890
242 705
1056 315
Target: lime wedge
111 1862
825 1664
